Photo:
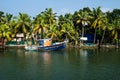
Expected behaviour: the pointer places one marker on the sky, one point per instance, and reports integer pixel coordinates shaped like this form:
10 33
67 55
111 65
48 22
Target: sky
34 7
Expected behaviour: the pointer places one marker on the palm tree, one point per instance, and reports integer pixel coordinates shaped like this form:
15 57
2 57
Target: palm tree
5 28
115 29
1 17
39 26
83 19
8 18
104 27
49 16
5 32
68 31
98 17
67 18
23 23
53 32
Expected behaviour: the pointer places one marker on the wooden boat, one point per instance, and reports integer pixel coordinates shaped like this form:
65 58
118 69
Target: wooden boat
46 44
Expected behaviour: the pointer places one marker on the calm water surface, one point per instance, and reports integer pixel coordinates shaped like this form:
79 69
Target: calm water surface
69 64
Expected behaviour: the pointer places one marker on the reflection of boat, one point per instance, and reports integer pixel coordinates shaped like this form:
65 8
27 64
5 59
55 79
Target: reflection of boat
31 48
46 44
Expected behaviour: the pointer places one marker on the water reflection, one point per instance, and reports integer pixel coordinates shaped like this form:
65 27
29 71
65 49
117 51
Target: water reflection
46 58
69 64
84 56
83 53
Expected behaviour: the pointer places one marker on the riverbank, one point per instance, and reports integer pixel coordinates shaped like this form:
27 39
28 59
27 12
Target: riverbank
92 46
86 46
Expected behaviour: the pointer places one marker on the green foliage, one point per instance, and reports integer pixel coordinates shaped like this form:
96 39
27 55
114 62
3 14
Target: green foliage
71 26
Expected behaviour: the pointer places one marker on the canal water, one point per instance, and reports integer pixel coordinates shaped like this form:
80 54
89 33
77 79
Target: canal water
68 64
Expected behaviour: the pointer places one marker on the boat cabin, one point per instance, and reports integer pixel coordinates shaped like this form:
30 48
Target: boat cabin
45 42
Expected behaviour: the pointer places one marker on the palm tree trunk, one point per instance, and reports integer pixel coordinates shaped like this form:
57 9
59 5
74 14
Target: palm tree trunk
103 37
82 31
82 34
95 35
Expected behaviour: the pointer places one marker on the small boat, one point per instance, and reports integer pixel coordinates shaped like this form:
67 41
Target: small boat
47 45
31 48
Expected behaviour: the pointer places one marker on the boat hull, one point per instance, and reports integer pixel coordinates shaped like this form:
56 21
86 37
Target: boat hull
52 47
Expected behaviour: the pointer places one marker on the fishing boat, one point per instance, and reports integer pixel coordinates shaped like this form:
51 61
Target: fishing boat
46 44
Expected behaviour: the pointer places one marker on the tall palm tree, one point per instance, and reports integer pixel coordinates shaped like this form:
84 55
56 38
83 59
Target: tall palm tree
105 25
83 19
5 27
115 29
98 17
39 26
23 23
49 16
67 18
68 31
53 32
5 32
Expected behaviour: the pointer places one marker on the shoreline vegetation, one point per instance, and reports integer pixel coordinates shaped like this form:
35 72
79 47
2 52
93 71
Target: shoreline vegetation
95 46
85 28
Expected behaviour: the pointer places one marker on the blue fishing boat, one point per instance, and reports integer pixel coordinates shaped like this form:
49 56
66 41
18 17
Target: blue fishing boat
46 44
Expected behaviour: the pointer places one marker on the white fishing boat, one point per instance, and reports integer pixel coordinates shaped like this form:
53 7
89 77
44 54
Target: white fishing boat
31 48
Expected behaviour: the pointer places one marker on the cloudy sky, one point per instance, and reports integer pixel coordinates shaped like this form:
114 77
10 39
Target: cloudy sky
34 7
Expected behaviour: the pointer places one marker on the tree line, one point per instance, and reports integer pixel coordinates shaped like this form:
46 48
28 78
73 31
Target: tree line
69 26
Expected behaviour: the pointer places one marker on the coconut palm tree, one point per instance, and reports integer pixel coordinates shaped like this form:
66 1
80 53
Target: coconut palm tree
8 18
23 23
67 18
53 32
5 32
98 17
5 28
83 19
68 31
49 16
105 25
2 17
39 26
115 29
